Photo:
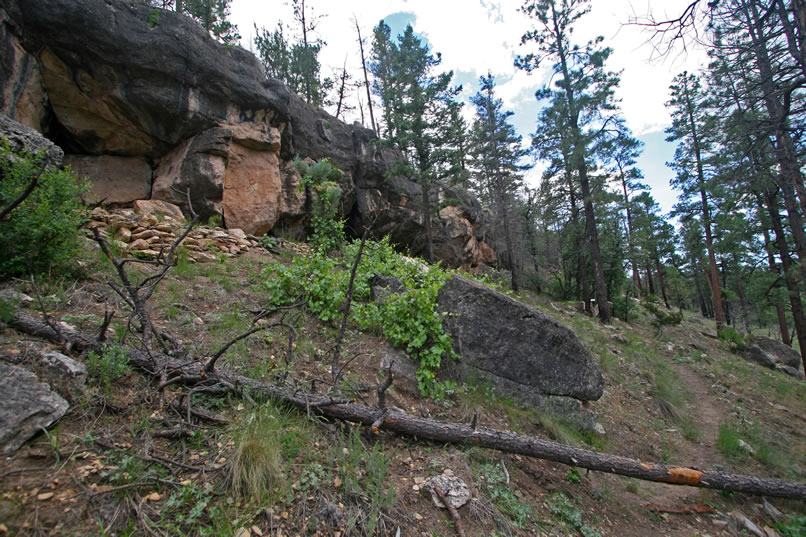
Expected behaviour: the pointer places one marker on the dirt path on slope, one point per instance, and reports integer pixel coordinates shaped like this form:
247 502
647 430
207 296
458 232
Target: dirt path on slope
706 412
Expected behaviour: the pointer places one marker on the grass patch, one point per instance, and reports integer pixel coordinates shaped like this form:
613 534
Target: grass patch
265 439
492 480
362 473
672 399
728 441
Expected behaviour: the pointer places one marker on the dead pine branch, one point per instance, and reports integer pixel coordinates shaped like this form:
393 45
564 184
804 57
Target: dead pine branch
397 421
457 520
210 366
135 295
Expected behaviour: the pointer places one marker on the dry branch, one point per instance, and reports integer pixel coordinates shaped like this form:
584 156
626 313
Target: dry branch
396 421
457 520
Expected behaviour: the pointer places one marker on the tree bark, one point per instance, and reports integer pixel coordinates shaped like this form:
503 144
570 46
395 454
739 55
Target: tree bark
783 324
789 274
636 277
397 421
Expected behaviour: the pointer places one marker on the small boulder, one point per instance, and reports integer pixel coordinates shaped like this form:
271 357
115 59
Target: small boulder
64 366
455 490
159 207
26 408
755 354
382 287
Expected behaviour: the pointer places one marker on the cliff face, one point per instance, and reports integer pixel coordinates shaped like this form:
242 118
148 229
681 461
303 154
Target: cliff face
148 106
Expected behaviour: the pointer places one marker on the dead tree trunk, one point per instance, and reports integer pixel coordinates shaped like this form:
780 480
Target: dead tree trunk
397 421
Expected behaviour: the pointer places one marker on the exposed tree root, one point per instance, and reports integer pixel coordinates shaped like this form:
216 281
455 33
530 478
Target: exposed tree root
396 421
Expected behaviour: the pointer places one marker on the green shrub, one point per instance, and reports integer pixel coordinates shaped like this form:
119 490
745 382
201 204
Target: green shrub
794 526
321 179
215 220
41 234
493 481
663 317
732 337
109 366
570 515
409 319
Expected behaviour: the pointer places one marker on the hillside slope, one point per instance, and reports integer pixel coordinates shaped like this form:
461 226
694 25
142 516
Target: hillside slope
677 396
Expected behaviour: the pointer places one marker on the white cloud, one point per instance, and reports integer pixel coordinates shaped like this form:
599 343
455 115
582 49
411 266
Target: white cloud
475 36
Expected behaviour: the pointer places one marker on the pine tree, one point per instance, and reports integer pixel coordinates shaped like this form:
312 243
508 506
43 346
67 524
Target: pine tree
496 156
588 91
296 64
416 103
693 128
213 16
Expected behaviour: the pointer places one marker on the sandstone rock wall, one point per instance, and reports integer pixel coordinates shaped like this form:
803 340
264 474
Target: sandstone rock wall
120 86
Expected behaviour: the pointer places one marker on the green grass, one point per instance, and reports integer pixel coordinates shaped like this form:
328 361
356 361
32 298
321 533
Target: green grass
363 472
266 439
728 441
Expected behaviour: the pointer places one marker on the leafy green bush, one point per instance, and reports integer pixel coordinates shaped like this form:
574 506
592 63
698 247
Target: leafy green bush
732 337
409 319
321 178
41 234
663 317
109 366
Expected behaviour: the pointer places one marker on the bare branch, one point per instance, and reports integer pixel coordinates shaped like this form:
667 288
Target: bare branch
25 193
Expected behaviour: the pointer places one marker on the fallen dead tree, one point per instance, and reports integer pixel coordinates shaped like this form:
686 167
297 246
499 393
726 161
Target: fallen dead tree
397 421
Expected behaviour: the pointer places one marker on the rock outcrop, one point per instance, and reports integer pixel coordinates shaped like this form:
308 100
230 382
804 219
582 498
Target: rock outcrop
26 408
23 138
147 105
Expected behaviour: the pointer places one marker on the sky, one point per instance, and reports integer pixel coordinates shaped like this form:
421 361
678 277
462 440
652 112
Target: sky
477 36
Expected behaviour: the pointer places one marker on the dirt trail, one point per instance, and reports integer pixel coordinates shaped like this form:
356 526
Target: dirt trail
706 413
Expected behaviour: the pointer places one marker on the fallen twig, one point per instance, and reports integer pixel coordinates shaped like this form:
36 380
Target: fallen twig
457 520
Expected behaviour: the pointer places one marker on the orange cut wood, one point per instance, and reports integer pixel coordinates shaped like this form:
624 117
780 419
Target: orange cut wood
683 476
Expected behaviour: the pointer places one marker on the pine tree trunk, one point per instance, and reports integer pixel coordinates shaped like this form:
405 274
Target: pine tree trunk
578 155
429 244
636 277
789 276
783 324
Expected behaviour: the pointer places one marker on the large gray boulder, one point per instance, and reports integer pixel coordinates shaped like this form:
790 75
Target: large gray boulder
777 351
26 408
520 350
23 138
774 355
